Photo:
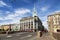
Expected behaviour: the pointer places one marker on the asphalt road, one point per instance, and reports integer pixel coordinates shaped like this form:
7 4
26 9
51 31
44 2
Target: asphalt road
46 36
18 36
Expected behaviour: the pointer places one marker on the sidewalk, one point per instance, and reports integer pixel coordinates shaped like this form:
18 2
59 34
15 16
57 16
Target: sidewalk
35 38
44 37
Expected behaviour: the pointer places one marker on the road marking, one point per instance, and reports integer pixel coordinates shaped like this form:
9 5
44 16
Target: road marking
18 34
9 36
29 36
22 33
26 36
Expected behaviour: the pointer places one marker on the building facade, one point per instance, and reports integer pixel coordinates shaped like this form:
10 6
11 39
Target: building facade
32 23
15 27
5 27
10 27
54 22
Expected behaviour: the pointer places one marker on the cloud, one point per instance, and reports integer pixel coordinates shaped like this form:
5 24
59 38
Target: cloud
21 11
2 4
14 20
15 15
17 12
53 12
44 21
45 8
45 24
57 11
1 18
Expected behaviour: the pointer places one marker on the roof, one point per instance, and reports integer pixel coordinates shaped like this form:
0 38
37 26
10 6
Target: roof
27 18
54 13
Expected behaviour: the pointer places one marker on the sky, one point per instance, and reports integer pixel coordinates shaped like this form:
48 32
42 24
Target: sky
11 11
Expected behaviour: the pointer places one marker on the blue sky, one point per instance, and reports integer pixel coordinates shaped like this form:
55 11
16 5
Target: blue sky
11 11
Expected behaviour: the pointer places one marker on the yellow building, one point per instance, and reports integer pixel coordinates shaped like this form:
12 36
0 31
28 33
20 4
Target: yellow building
54 22
5 27
10 27
0 28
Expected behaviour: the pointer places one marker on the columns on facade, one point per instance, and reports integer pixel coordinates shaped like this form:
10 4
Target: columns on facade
25 26
30 24
22 26
36 25
33 24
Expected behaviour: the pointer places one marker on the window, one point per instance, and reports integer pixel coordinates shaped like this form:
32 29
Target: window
29 25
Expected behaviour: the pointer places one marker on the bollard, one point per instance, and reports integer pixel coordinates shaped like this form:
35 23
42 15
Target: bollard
39 33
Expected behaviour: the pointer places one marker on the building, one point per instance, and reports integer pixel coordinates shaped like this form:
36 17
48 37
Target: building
10 27
54 22
32 23
5 27
0 28
15 27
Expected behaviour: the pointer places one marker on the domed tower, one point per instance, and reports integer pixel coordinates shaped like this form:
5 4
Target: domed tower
34 11
35 18
37 24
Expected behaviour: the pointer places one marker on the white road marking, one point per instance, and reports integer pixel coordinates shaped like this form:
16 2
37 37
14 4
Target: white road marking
29 36
26 36
9 36
18 34
21 33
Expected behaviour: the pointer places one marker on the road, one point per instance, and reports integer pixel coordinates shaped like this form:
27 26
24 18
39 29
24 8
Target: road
18 36
46 36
